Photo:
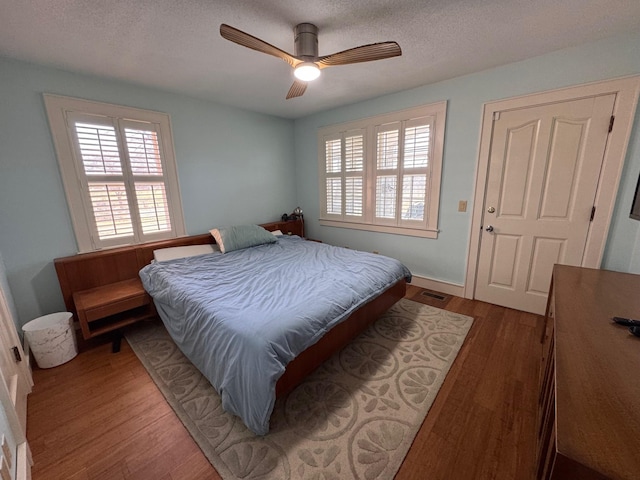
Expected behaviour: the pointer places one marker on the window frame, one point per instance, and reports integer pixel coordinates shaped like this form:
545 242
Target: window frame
426 228
59 109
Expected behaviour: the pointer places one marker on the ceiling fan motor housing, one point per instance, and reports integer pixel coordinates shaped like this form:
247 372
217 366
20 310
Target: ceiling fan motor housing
306 41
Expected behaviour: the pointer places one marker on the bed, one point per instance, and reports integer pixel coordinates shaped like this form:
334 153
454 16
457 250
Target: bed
256 320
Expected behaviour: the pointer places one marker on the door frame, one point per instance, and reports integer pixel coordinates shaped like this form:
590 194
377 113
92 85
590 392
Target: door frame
627 90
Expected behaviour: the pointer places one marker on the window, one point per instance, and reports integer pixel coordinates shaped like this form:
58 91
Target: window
119 173
383 173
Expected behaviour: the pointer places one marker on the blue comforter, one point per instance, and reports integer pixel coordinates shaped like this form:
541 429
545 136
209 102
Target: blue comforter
241 317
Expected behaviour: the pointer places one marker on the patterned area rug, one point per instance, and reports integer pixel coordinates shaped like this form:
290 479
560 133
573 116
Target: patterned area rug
354 417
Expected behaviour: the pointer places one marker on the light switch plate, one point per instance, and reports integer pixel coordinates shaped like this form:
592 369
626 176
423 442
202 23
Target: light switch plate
462 206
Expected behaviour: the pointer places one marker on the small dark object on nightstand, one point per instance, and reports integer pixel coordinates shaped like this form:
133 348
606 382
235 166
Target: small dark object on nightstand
635 331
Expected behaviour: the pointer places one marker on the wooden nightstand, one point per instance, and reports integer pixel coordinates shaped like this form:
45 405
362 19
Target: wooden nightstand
110 307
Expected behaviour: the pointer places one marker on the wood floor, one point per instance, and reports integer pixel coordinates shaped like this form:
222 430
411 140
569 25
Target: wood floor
100 416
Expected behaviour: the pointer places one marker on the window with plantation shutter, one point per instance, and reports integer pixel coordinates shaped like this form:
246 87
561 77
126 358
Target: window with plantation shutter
344 174
383 173
119 172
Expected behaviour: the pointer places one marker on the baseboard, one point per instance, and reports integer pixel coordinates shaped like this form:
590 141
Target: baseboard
438 285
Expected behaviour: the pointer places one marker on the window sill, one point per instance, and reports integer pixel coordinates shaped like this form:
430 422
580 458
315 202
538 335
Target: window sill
412 232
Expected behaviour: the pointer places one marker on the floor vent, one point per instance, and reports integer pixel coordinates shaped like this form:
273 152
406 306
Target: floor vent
437 296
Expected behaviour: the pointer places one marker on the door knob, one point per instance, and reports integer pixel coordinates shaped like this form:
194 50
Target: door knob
489 228
491 210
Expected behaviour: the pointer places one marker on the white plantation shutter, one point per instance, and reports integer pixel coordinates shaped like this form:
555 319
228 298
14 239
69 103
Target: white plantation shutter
333 155
417 139
386 194
414 189
333 172
153 207
115 172
145 162
388 144
96 142
353 196
98 149
415 170
383 173
144 152
110 209
344 169
402 161
387 172
334 196
354 174
354 152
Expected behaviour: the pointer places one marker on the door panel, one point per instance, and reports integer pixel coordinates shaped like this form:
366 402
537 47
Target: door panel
505 253
567 140
544 167
15 385
546 253
516 163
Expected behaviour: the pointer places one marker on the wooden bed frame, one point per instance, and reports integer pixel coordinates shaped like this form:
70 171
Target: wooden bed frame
337 338
103 289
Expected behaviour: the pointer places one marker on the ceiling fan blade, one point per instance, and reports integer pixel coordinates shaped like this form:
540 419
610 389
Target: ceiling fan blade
297 89
364 53
241 38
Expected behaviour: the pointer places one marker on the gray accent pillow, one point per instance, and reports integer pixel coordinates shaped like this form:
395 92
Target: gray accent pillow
241 236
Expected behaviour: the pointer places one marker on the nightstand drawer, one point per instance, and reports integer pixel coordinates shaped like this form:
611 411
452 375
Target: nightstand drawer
102 311
109 307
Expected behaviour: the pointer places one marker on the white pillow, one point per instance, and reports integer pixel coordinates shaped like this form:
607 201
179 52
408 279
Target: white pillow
171 253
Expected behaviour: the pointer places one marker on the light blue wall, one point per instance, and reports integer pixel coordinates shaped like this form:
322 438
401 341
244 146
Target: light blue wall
234 166
623 245
445 258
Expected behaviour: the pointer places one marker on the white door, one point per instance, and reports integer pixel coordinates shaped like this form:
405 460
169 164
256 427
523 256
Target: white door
15 385
544 167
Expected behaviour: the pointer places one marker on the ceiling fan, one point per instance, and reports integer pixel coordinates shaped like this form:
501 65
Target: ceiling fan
305 61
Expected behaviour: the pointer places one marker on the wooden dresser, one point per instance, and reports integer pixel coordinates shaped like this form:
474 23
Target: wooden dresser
589 422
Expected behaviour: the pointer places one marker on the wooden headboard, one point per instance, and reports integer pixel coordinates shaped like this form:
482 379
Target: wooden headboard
95 269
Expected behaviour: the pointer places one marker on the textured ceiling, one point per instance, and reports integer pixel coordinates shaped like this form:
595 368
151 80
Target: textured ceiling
175 44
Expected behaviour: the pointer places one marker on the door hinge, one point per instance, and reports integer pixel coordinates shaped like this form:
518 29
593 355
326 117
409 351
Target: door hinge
611 120
496 116
16 354
593 213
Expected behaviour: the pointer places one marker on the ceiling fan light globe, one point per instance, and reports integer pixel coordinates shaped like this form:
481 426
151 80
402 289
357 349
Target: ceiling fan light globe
306 71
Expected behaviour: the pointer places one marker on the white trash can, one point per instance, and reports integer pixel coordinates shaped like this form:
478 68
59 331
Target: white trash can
52 339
